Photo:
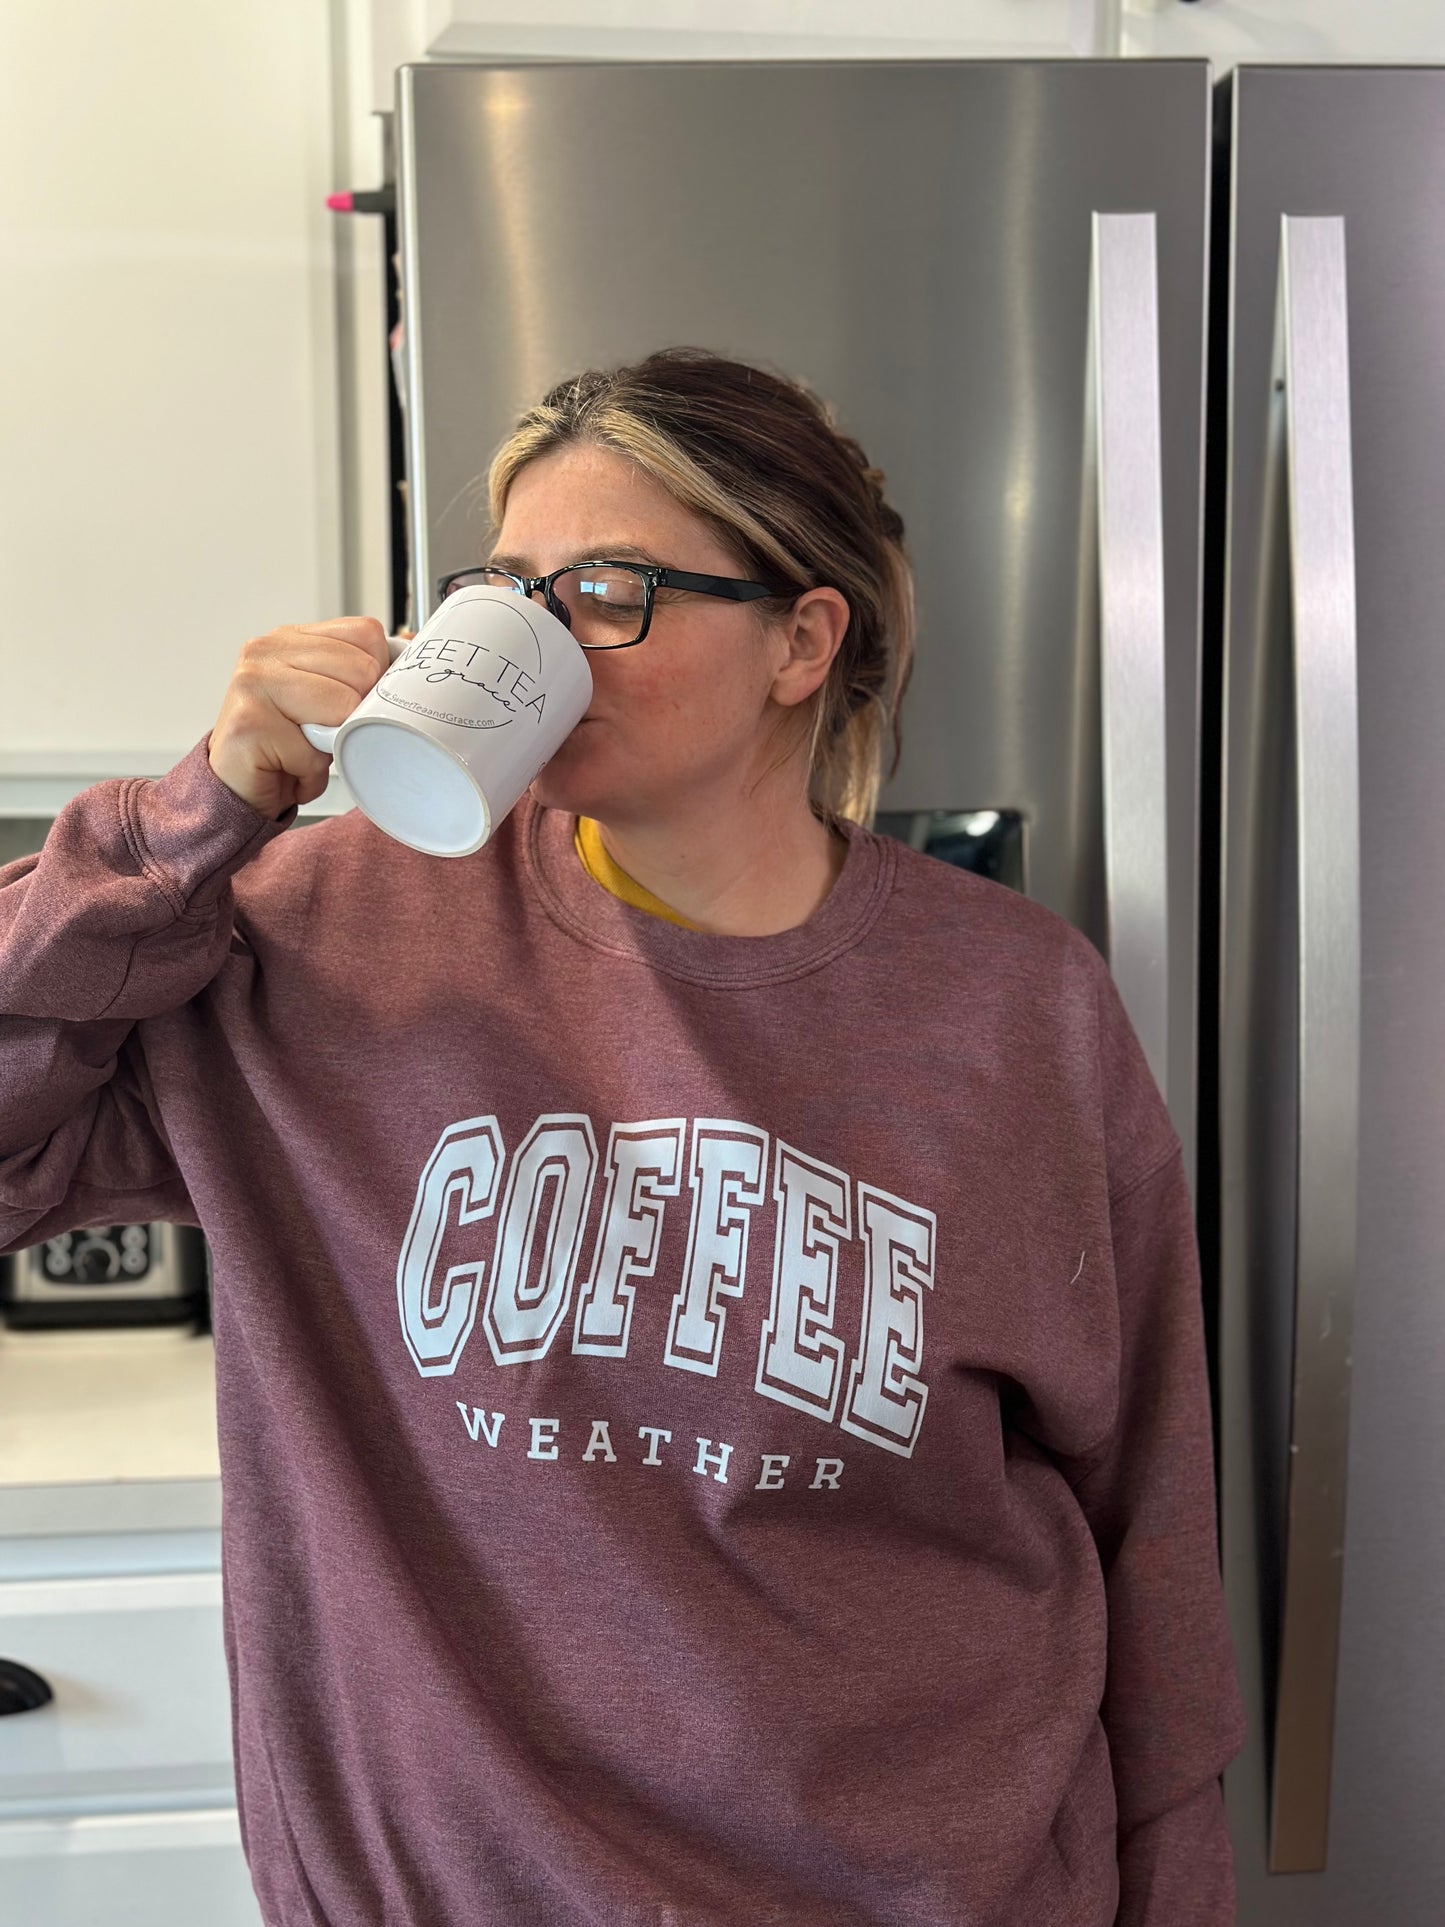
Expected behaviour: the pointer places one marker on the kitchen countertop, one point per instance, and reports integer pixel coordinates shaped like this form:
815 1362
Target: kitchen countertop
104 1431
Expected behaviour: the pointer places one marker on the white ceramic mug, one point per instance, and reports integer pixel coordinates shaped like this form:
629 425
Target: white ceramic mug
471 708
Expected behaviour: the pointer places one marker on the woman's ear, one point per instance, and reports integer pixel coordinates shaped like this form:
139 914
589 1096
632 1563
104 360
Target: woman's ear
812 629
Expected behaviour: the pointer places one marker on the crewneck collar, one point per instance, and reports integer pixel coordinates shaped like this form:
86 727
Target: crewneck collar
592 915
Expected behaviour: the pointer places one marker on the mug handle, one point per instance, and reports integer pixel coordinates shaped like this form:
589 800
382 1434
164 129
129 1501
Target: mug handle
322 735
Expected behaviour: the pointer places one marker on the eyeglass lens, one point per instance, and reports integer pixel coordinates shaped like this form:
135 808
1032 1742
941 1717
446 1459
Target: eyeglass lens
603 606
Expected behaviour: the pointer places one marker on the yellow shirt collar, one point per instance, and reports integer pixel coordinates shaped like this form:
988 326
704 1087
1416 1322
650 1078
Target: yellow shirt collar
601 868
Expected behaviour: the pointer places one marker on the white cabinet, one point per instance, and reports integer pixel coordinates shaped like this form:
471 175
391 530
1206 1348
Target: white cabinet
138 1671
117 1796
170 483
117 1801
126 1870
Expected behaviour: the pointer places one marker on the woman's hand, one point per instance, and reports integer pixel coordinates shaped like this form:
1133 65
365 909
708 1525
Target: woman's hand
315 673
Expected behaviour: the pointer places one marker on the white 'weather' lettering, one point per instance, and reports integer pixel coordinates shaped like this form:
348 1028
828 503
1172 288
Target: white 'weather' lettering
713 1457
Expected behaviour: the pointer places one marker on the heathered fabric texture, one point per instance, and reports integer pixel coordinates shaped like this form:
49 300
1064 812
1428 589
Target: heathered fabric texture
714 1430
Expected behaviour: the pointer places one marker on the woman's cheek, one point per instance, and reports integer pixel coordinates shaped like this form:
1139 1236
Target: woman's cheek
591 746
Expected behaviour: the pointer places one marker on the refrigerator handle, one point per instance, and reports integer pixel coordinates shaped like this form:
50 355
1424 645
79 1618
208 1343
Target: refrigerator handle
1312 392
1127 486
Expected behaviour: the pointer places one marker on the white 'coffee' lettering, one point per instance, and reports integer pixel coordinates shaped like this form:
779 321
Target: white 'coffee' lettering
548 1190
464 1165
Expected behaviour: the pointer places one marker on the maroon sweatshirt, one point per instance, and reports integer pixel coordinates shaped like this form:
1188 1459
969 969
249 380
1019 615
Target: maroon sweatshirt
714 1430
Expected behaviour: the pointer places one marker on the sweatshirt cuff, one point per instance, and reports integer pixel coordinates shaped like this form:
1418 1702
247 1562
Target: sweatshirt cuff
193 831
1177 1870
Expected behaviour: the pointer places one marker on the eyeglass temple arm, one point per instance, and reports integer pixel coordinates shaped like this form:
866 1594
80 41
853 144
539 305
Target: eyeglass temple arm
720 585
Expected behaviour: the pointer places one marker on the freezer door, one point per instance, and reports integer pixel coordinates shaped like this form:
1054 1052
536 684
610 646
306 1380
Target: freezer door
1332 1023
919 242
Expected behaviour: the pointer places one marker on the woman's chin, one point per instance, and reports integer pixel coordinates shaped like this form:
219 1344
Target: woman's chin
569 780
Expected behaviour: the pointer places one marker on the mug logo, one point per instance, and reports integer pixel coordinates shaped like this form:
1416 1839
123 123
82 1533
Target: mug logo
450 669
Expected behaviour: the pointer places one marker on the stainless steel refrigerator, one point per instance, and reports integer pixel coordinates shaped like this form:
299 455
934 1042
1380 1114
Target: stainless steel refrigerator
1328 562
1000 273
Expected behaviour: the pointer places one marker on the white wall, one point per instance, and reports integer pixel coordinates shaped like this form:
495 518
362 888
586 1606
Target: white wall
358 161
1307 31
168 435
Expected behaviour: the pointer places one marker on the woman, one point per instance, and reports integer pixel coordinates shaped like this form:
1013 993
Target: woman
712 1405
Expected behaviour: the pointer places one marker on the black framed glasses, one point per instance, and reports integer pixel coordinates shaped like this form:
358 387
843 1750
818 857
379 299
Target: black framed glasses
608 605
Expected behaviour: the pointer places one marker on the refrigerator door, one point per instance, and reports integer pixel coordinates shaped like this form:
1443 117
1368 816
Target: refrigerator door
919 242
1332 1103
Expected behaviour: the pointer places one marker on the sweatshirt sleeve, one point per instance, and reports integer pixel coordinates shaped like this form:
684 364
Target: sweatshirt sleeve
1172 1708
125 913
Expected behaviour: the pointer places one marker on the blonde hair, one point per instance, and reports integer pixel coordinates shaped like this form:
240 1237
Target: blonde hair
761 459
